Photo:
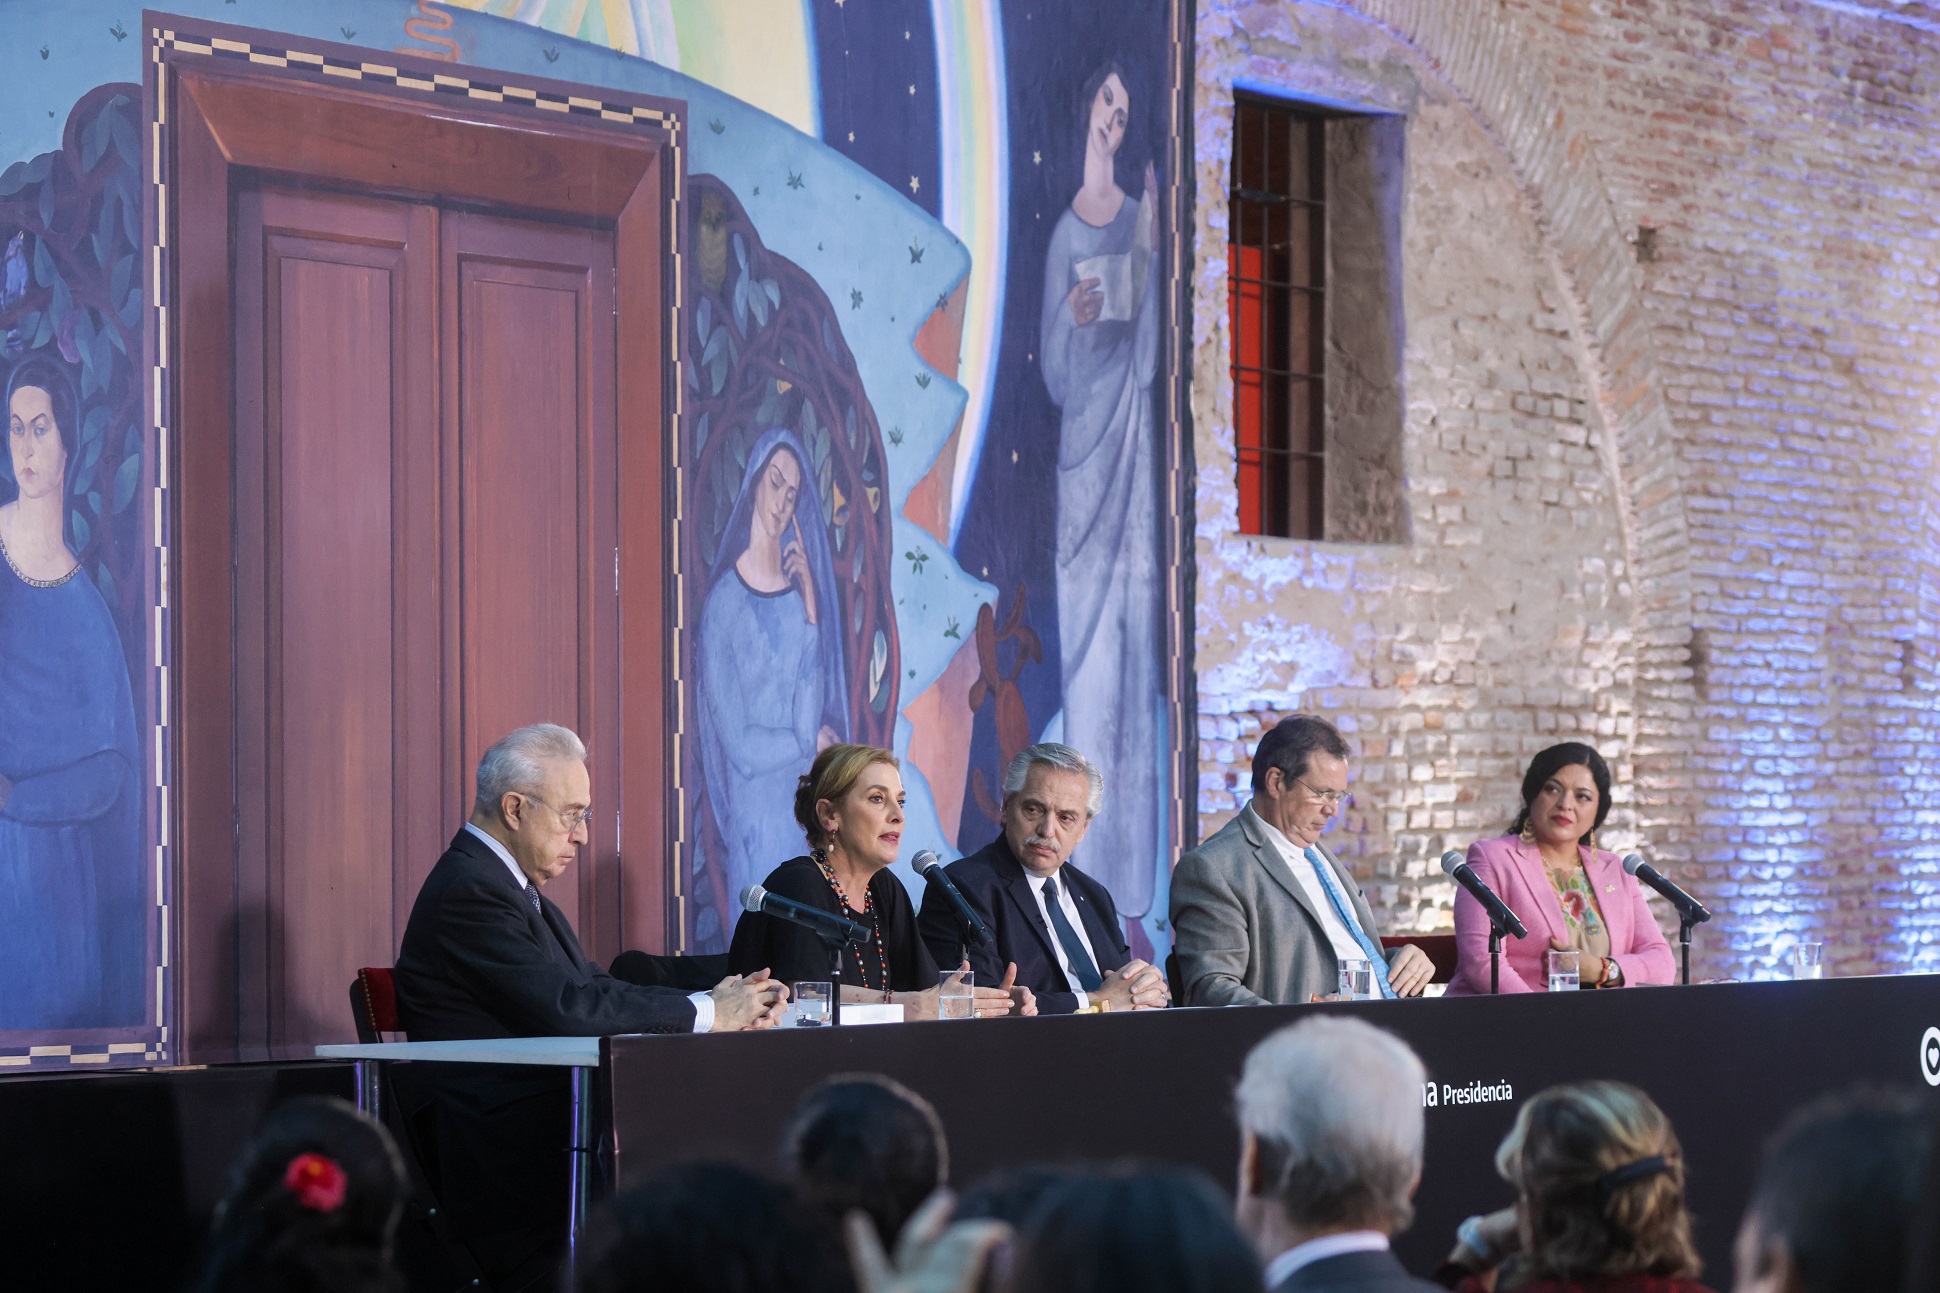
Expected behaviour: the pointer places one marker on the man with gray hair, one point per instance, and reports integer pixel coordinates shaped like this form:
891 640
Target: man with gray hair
485 955
1330 1119
1057 925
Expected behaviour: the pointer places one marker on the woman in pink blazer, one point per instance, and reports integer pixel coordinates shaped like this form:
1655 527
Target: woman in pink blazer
1570 894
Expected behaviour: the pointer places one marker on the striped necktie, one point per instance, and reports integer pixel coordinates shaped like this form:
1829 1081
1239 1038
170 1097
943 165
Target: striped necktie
1346 914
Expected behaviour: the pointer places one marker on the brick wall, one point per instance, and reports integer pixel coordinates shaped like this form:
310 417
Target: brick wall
1670 276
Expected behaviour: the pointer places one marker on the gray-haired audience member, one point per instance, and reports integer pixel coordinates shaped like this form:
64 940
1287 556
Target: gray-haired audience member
864 1142
1831 1209
1055 923
1330 1154
1261 912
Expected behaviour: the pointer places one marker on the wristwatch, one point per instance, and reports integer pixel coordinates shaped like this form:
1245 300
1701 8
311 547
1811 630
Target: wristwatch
1612 973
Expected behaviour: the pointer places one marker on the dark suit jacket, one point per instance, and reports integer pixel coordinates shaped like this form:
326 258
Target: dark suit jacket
1355 1273
993 882
477 962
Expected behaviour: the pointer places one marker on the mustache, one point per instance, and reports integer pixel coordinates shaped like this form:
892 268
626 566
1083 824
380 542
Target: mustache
1032 841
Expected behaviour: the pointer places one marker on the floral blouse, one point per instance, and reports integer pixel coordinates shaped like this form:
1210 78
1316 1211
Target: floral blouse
1584 919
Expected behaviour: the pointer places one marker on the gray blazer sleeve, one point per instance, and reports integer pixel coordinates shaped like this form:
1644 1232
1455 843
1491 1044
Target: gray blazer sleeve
1209 935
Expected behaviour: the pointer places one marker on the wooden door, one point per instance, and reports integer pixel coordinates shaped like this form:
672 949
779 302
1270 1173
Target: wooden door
337 696
418 355
419 555
528 310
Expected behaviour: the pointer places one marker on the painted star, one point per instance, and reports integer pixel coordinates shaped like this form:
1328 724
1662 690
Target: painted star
852 136
912 89
1013 455
855 298
915 253
1037 158
915 185
794 180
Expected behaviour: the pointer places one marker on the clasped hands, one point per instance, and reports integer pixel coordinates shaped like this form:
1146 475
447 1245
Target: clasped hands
754 1001
1135 985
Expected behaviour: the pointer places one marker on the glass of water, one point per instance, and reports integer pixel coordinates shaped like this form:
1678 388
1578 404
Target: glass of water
1356 981
1565 971
956 995
812 1004
1807 960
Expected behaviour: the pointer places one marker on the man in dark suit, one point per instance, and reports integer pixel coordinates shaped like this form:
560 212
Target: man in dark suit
1330 1154
485 954
1055 923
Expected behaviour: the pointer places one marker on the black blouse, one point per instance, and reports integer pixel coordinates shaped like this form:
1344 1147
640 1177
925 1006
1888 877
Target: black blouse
793 954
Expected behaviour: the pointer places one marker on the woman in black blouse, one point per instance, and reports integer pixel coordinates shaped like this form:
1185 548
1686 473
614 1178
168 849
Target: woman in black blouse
851 806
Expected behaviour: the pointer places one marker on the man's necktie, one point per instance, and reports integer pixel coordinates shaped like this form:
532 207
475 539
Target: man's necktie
1083 968
532 892
1378 962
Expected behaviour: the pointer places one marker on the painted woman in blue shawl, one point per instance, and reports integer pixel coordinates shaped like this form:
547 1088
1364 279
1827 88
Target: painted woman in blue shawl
72 919
773 690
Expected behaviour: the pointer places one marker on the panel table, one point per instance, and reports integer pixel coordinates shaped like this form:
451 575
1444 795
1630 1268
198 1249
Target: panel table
1726 1062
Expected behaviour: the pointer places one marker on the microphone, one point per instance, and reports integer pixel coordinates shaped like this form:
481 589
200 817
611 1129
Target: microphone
833 929
930 867
1455 866
1689 908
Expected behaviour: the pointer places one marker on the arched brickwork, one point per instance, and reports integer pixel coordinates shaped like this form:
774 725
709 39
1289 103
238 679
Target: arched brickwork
1487 65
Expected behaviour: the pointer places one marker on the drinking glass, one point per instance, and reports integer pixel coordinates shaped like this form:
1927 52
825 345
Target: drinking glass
812 1003
956 995
1565 970
1807 960
1356 981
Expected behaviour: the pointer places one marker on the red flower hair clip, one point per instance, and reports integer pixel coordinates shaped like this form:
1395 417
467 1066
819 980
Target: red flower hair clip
317 1182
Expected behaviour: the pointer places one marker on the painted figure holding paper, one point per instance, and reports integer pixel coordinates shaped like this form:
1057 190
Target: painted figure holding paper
1100 333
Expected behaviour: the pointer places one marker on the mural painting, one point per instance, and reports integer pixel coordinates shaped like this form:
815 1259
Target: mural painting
918 444
77 906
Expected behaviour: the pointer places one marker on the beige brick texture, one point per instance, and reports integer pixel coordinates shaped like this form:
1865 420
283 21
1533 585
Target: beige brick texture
1672 296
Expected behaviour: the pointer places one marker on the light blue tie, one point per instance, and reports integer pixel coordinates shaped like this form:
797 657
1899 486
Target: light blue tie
1346 914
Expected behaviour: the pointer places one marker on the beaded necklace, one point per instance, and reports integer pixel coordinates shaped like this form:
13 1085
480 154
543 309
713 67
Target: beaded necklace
868 909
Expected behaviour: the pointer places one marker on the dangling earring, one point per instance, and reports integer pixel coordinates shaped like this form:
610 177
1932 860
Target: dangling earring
1528 835
1589 840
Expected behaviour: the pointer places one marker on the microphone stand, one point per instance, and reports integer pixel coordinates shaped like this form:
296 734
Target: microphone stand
1495 956
835 946
1684 927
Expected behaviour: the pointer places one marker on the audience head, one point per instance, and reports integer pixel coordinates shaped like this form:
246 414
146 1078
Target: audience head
312 1205
1831 1208
1331 1129
851 801
1300 776
869 1143
1565 795
1134 1230
710 1228
1600 1178
1051 793
534 796
1010 1196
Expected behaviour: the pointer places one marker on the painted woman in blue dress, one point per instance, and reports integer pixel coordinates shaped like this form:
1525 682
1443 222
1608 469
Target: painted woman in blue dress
773 689
72 916
1100 337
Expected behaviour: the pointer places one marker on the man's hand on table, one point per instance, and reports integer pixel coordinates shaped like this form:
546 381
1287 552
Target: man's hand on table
1136 985
751 1001
1410 970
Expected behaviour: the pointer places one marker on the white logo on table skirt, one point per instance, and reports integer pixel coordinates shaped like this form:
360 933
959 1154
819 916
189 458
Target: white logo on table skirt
1476 1092
1930 1057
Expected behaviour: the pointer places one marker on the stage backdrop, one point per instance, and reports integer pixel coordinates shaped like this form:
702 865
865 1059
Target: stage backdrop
883 366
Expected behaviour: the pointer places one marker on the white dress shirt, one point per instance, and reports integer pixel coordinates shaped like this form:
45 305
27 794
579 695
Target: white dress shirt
1281 1268
1301 865
703 1003
1070 908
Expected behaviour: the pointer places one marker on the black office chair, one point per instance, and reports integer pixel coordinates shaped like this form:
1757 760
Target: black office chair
687 973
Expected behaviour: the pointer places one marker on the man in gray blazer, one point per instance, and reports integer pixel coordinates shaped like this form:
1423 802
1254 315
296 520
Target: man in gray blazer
1261 913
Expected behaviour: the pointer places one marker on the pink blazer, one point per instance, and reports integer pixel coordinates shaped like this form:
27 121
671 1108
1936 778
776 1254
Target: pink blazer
1515 871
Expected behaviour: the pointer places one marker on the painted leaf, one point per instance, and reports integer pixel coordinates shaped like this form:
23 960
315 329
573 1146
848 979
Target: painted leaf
127 142
44 272
82 531
127 476
47 205
13 179
105 581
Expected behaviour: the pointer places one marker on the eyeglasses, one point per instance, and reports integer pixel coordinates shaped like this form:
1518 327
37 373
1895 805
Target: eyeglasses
1327 798
573 821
